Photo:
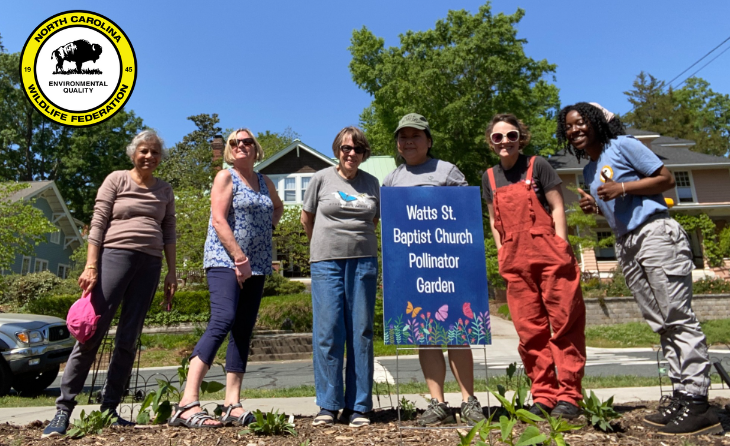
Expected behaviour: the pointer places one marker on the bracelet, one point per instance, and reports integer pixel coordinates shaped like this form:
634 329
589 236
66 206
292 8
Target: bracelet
90 267
596 205
623 189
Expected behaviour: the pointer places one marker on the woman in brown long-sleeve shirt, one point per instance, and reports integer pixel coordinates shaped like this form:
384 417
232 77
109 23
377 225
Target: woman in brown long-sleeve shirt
133 223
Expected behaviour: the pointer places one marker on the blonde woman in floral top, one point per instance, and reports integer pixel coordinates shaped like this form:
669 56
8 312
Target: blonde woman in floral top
244 209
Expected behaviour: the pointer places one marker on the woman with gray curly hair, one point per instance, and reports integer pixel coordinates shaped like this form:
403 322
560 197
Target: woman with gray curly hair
133 223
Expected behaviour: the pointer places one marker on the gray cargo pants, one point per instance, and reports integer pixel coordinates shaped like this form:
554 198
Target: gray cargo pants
657 262
127 278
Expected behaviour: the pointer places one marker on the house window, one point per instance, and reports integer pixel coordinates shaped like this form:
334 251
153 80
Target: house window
684 187
25 268
305 183
55 237
581 182
40 265
608 253
290 190
63 271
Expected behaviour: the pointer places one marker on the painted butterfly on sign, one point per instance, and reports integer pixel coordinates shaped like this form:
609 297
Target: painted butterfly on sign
413 311
443 313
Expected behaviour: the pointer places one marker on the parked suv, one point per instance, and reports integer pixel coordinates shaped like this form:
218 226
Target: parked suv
32 348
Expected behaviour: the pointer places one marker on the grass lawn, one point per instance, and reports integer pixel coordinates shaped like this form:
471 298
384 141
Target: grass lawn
638 334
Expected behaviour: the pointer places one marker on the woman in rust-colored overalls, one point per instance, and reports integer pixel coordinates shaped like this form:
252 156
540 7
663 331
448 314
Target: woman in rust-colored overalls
527 217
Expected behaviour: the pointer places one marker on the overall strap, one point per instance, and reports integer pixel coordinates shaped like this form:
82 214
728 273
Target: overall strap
528 183
497 219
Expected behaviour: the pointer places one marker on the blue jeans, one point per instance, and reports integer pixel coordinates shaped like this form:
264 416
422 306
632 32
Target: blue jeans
232 310
343 305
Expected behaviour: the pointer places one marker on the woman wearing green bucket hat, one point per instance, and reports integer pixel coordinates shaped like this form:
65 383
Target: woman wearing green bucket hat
419 168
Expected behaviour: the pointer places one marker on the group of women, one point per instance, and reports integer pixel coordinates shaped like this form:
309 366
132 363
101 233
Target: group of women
134 222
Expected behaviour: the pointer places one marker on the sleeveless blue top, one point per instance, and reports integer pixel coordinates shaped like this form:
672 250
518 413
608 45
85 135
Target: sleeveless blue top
250 219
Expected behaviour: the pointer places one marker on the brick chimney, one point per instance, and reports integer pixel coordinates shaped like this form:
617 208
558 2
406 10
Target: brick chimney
217 145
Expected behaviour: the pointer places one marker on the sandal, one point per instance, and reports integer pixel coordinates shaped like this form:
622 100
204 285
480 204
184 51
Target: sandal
244 419
195 421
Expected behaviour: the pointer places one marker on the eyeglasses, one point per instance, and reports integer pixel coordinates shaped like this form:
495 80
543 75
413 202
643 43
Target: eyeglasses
358 149
245 142
512 136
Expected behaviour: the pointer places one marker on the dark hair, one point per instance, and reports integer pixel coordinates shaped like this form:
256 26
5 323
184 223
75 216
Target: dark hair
512 120
595 117
616 126
358 140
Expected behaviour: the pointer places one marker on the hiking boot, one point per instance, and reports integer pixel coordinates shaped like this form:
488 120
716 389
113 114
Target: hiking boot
696 417
535 410
325 417
435 414
669 407
566 410
58 425
471 411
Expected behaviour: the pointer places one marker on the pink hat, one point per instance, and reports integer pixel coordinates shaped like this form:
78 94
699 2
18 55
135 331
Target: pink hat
82 318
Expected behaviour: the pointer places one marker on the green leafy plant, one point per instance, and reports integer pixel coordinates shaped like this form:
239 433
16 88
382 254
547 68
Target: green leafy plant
407 409
93 423
712 247
598 413
158 401
517 380
270 423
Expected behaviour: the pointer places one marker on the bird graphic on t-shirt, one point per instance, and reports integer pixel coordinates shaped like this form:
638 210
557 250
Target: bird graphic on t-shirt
346 198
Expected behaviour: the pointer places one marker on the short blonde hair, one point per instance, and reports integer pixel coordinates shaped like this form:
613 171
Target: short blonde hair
148 136
358 140
232 141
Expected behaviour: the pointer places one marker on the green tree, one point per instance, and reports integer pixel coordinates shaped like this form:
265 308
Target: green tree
272 143
190 164
458 75
21 225
192 208
694 112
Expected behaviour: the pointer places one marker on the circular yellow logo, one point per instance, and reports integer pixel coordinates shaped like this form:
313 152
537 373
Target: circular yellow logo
608 171
78 68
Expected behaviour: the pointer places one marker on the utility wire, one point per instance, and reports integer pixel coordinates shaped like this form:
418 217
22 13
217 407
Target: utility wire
698 61
703 66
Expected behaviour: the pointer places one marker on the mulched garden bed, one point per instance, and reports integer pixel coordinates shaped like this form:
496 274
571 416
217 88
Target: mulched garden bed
382 431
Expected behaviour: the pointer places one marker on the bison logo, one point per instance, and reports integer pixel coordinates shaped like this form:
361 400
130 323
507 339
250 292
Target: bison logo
78 51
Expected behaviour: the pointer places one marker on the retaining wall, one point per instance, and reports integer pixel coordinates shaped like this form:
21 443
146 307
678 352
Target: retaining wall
619 310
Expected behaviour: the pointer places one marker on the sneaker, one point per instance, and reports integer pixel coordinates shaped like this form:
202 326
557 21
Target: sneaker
566 410
58 426
695 418
471 411
359 419
435 414
325 417
535 409
669 407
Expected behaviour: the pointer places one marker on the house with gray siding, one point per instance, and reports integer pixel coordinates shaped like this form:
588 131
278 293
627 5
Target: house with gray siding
54 254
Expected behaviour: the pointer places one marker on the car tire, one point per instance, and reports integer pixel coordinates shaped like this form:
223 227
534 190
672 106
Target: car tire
35 382
6 378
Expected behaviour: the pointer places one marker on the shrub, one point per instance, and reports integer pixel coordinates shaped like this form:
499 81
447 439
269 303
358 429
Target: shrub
293 312
616 287
277 285
22 289
711 285
51 305
378 317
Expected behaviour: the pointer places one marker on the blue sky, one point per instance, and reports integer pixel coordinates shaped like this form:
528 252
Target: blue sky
269 65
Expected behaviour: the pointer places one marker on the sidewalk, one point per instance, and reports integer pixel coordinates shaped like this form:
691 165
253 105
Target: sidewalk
305 405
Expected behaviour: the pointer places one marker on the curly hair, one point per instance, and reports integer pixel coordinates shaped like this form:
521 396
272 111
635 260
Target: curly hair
512 120
595 117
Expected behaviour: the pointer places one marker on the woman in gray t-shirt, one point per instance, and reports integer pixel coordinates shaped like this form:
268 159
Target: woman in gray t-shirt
340 212
413 139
